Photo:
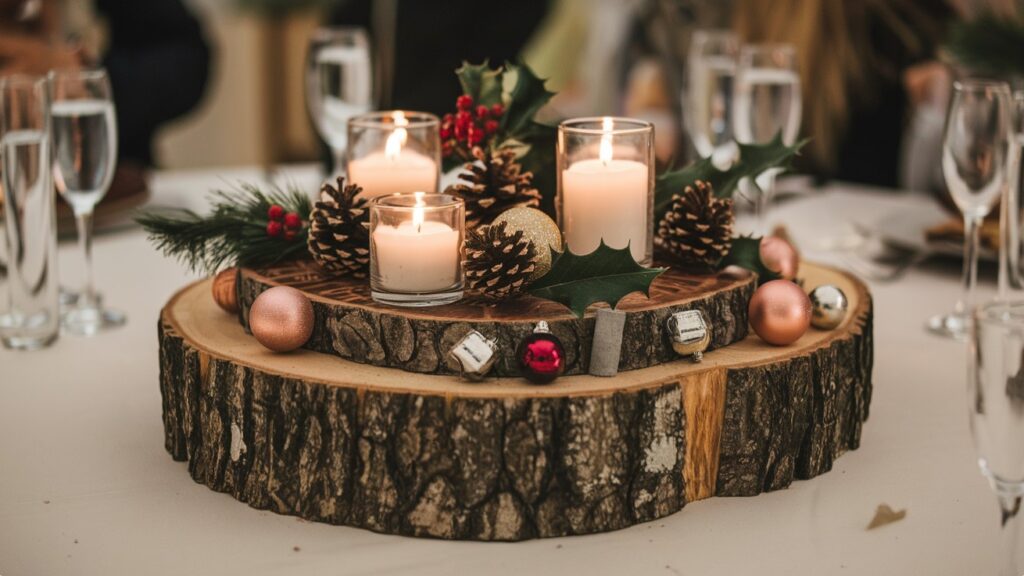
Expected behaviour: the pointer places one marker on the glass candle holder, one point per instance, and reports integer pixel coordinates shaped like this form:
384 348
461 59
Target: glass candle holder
606 185
393 152
416 249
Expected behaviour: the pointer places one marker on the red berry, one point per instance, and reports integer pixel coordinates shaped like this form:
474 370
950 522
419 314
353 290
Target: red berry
292 220
289 235
476 135
491 126
481 111
497 110
275 212
448 147
461 131
448 118
446 132
463 117
274 228
464 102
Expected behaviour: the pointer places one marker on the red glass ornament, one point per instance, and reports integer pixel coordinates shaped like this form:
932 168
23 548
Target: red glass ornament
275 212
541 356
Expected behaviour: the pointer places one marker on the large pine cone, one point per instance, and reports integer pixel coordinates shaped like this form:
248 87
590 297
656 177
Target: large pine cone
498 263
492 185
696 232
338 237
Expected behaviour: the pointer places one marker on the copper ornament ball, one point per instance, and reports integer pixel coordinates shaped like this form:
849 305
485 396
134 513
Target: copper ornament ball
780 256
224 290
780 312
281 319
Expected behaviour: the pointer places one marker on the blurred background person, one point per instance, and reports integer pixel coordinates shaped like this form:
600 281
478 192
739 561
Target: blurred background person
154 51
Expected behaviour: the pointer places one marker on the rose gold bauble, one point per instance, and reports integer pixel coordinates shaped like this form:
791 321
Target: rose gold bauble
281 319
780 257
780 312
224 290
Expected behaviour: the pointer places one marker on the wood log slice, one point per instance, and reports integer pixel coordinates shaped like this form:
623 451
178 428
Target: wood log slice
351 325
325 439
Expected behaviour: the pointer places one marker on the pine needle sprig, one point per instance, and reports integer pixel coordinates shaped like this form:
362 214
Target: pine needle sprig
234 233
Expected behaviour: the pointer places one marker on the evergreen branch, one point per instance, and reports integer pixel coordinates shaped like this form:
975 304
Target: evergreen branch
989 44
234 233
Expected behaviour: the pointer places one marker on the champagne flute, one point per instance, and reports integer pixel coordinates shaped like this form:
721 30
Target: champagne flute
84 132
975 150
707 102
31 320
338 84
996 410
767 103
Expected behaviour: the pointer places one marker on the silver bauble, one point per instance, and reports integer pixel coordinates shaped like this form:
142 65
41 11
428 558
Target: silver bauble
828 307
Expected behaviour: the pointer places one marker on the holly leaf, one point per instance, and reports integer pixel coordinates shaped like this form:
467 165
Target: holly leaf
754 159
746 253
524 94
604 275
481 82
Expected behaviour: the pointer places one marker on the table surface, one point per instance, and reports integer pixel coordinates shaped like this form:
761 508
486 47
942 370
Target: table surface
87 488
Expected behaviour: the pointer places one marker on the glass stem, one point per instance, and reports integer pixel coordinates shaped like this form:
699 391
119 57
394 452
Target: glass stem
339 161
766 184
1010 533
971 232
87 299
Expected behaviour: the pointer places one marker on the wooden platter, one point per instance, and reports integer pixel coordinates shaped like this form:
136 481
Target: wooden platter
349 324
316 436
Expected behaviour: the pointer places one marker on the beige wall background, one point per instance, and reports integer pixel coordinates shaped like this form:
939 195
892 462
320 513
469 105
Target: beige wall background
254 109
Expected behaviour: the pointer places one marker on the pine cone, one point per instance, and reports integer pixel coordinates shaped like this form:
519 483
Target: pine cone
696 232
338 238
492 185
498 263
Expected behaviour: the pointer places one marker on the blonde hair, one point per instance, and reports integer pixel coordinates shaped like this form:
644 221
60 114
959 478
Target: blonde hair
836 59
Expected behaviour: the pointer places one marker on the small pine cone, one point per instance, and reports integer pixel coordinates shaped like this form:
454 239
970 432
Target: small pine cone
498 263
492 185
338 238
696 232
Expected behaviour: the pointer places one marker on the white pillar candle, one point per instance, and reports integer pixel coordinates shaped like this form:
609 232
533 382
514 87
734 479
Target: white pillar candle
417 256
605 198
394 169
409 171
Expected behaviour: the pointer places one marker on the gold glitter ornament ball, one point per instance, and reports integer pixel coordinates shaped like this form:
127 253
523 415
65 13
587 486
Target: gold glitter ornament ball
537 227
281 319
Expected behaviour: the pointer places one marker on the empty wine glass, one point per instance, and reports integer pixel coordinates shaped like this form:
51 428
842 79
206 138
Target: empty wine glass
83 129
711 69
338 84
767 103
996 407
975 150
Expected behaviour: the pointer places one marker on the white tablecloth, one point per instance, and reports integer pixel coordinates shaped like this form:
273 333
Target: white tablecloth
87 488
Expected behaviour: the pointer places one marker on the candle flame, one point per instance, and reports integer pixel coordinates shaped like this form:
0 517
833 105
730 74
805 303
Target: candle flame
398 137
417 211
605 152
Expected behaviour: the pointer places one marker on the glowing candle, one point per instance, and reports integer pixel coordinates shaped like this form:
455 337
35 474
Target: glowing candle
396 168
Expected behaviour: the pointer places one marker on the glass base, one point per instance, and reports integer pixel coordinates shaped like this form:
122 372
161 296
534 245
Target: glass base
91 321
955 326
416 300
28 343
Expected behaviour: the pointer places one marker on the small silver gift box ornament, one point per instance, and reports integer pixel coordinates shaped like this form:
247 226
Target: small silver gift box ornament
689 333
475 354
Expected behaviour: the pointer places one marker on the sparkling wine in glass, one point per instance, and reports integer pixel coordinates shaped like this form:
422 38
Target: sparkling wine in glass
767 103
975 154
83 129
711 70
996 407
338 84
31 317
